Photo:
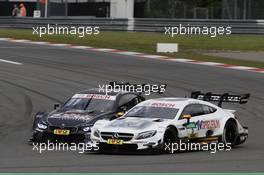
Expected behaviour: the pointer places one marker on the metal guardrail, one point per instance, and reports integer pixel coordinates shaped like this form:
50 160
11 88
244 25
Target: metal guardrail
27 23
137 24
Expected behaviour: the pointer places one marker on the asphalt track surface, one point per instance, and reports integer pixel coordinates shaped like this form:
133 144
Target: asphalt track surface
51 74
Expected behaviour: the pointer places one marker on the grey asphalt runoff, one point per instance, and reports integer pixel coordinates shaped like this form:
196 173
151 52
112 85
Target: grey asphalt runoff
52 74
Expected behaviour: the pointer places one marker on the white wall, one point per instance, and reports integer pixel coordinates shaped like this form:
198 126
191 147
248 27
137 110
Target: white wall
122 9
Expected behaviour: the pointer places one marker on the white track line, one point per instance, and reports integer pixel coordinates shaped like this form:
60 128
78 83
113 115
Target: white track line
242 67
39 42
21 41
11 62
104 50
128 53
153 56
179 59
60 45
80 47
4 39
210 63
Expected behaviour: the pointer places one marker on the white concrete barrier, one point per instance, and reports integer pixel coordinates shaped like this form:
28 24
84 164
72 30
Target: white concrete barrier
167 47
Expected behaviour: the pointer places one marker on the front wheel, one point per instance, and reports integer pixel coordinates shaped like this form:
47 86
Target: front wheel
170 138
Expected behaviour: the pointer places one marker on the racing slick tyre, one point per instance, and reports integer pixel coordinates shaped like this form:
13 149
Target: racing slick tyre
230 134
170 137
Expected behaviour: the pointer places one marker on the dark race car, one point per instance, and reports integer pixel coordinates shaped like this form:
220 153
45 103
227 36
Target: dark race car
72 121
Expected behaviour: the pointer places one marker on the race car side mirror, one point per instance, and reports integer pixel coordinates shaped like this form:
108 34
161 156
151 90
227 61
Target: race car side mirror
188 117
56 106
120 114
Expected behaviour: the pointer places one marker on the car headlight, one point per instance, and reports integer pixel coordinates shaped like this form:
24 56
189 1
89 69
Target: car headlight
96 133
42 126
86 129
145 135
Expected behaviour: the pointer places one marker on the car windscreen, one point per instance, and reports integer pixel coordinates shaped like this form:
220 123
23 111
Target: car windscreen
89 104
152 112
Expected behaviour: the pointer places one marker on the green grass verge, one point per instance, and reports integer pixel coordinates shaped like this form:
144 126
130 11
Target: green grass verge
191 47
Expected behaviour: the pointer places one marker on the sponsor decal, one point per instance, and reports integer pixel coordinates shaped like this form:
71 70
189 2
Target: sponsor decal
71 116
204 124
95 96
163 105
191 125
208 124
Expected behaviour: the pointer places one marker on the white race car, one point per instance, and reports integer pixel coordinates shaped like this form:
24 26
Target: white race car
154 124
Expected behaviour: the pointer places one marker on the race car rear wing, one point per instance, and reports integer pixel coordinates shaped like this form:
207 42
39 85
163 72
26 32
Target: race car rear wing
220 98
139 88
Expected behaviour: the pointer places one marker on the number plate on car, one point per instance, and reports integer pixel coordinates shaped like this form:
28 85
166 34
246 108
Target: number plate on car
61 132
115 141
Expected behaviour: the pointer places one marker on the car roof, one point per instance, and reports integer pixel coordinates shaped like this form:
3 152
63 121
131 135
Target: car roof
98 91
178 102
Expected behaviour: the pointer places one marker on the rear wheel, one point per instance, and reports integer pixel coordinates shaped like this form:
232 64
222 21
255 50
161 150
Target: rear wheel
230 133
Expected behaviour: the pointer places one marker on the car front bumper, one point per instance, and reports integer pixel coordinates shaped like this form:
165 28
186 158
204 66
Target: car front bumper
44 135
142 144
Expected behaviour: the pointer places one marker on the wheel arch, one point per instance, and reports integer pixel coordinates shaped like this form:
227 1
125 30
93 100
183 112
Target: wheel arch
227 120
231 119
